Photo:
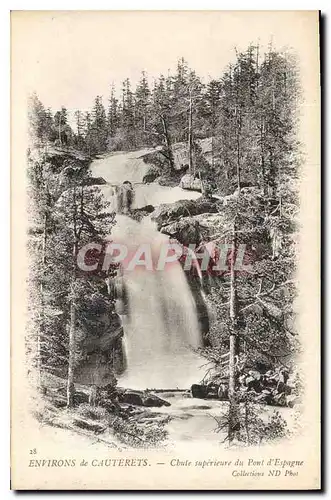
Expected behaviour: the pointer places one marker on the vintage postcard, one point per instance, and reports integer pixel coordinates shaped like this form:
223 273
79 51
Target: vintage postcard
165 250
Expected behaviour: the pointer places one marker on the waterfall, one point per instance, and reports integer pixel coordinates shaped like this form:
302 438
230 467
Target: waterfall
161 330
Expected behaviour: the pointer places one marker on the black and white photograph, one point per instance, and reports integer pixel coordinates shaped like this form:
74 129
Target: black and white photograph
165 190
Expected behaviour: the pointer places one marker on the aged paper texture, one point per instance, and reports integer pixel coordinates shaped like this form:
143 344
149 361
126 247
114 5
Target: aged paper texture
165 248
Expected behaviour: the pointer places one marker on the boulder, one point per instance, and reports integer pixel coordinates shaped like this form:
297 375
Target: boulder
125 197
147 208
94 181
80 397
185 230
155 401
140 398
152 174
166 213
88 425
199 391
132 398
139 213
190 182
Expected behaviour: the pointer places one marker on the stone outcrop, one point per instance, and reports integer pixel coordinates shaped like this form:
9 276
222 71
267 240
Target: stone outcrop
95 181
274 387
139 213
152 174
184 208
141 398
190 182
125 197
186 230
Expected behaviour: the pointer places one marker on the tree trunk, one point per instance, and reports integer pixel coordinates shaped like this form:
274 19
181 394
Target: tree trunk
41 330
212 151
247 422
168 143
60 140
234 422
72 327
238 160
263 173
72 345
190 139
203 191
94 395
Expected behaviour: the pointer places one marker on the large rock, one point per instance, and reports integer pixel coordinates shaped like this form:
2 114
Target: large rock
155 401
199 391
141 398
125 197
166 213
139 213
100 350
246 192
191 183
132 398
94 181
216 388
185 230
153 173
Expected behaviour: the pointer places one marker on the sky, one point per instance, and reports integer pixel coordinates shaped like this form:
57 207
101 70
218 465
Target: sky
72 56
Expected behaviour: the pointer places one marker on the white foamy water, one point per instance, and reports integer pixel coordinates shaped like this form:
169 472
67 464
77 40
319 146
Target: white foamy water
116 168
149 194
120 167
161 331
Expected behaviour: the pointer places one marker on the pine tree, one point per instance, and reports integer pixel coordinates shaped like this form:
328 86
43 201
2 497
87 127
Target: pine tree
128 115
160 119
113 113
260 317
88 132
98 128
194 96
42 195
142 101
79 138
211 103
40 120
62 128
